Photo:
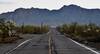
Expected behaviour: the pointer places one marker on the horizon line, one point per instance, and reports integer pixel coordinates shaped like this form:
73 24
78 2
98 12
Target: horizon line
52 9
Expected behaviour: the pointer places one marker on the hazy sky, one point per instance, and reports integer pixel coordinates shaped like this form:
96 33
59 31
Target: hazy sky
10 5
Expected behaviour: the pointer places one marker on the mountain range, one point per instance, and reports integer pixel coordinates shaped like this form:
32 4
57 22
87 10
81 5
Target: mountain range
66 14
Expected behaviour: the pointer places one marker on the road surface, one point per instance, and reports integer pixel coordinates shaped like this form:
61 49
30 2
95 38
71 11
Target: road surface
51 43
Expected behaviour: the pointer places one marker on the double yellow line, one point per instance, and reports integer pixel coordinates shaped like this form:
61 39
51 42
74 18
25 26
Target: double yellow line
50 45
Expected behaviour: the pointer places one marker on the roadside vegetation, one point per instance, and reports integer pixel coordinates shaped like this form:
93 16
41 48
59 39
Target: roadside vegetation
30 29
81 32
9 31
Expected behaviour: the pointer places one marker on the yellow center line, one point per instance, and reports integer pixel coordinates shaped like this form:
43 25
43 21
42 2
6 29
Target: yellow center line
50 47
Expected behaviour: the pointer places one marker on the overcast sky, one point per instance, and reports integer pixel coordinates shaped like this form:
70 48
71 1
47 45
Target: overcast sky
10 5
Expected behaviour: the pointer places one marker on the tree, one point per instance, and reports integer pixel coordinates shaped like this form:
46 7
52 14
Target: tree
11 27
6 27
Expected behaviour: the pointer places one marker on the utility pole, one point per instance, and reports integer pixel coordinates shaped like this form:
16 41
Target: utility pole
22 27
42 24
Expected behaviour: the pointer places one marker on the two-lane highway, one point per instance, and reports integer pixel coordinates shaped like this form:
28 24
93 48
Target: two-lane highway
51 43
35 45
64 45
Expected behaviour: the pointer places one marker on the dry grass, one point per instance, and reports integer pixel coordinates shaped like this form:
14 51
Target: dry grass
10 39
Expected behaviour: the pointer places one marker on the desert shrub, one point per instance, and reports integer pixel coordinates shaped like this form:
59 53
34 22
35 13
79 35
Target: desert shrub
85 31
31 29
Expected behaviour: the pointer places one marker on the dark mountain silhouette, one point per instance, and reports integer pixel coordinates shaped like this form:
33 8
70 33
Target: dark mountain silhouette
66 14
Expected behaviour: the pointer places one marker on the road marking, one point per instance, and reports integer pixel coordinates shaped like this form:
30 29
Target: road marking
18 46
85 47
48 32
50 49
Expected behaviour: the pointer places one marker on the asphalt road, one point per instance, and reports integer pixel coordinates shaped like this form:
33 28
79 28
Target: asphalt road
51 43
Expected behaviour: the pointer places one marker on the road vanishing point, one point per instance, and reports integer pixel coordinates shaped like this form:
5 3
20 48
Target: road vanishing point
51 43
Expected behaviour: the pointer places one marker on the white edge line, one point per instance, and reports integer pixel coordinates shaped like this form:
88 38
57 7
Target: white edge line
85 47
18 46
48 32
21 45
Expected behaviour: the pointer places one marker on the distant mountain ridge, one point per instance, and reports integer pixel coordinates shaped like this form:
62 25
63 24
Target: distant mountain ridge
67 14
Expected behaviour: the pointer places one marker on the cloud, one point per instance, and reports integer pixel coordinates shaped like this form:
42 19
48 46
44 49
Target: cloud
9 5
6 3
